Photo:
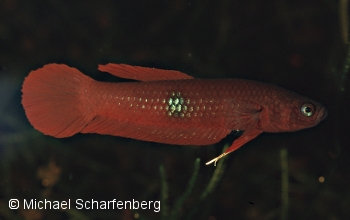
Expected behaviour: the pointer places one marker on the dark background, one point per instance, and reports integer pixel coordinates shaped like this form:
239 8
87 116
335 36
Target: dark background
297 44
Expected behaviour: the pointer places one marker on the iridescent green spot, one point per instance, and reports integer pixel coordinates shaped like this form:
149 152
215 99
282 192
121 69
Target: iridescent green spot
176 105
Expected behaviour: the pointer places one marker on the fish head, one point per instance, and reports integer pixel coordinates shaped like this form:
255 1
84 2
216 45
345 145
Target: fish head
291 112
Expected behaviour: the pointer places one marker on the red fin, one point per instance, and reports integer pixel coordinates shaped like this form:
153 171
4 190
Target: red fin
142 73
242 114
52 100
156 133
243 139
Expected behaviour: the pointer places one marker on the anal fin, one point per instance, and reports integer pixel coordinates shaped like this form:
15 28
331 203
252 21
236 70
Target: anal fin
156 133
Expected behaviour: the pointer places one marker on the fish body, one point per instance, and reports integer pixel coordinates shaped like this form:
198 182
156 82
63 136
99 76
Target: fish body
166 107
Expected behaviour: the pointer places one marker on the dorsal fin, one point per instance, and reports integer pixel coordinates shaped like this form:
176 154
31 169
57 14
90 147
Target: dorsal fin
142 73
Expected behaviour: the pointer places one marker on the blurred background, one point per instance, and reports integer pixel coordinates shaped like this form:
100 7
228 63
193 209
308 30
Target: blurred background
299 45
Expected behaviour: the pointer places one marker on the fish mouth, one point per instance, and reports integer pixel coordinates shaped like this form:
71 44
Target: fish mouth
323 114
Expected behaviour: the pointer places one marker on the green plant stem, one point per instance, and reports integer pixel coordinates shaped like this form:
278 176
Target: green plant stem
345 70
215 178
284 184
164 193
185 195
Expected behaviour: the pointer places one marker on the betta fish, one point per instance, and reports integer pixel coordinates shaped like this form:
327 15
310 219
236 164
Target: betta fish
165 106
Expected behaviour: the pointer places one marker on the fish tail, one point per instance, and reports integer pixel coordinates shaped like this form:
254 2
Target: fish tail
55 102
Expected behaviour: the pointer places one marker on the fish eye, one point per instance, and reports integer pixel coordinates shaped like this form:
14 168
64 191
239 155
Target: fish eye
307 109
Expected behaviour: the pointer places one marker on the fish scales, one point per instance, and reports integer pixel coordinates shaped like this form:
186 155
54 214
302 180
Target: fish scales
158 102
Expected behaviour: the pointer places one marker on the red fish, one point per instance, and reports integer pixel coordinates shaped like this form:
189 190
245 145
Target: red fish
166 107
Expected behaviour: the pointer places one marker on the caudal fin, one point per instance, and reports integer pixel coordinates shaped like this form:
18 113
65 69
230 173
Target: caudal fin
53 100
